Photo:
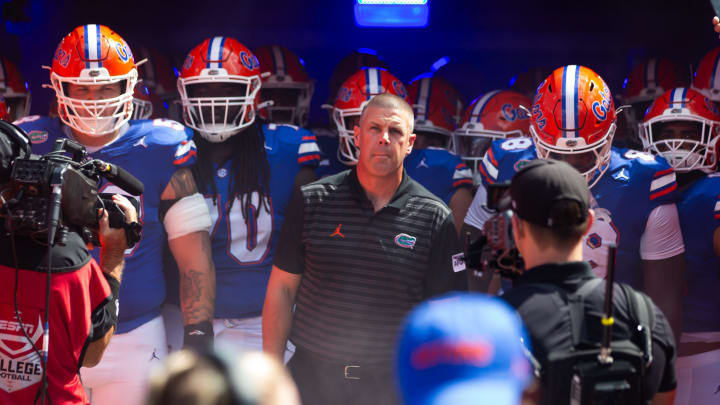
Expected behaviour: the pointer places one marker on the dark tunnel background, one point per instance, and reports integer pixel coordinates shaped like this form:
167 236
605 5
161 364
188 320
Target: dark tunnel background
488 43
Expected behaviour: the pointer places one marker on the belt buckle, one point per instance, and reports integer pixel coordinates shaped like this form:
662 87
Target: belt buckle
347 373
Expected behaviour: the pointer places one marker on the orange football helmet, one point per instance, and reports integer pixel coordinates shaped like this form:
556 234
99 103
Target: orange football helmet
143 107
219 85
15 90
692 146
436 103
351 63
647 81
355 92
94 55
286 83
707 75
494 115
573 119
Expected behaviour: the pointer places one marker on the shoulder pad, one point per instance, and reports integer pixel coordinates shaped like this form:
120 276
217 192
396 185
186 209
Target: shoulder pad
505 157
162 131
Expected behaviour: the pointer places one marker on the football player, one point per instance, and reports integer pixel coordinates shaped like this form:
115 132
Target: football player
247 172
339 151
93 75
437 107
15 89
649 79
285 82
497 114
573 119
706 79
682 126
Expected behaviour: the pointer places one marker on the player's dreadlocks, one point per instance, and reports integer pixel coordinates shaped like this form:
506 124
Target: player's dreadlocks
249 168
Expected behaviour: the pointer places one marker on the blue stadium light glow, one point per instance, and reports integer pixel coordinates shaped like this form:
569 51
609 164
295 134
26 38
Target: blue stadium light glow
392 13
177 73
625 82
440 63
512 81
165 105
368 51
422 76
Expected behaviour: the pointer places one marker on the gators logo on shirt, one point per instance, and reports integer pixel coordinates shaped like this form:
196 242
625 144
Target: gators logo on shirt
405 241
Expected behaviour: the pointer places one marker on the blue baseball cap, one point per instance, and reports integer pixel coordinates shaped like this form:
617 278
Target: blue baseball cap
463 349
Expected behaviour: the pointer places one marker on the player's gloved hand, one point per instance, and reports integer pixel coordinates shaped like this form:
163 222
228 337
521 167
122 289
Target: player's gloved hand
198 335
716 24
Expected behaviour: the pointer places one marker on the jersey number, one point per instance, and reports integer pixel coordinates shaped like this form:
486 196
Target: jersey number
516 144
248 240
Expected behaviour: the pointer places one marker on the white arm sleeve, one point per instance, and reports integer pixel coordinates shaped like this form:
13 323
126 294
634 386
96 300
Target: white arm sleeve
187 215
662 238
476 214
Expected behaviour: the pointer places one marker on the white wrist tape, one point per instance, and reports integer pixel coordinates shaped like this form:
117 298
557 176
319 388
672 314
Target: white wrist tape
188 214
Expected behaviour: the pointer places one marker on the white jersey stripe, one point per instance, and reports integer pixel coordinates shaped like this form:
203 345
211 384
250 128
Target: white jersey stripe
662 181
462 174
308 147
492 170
717 206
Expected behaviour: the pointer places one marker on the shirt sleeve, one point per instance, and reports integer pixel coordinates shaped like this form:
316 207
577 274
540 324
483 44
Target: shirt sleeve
308 152
662 238
446 269
462 177
290 253
477 215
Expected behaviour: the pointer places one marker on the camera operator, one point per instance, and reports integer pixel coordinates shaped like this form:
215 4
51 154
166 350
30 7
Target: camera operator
83 300
550 203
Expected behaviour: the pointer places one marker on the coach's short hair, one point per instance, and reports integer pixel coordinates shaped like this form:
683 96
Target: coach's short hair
388 100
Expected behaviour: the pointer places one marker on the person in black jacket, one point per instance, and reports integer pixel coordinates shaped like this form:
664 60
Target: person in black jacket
550 201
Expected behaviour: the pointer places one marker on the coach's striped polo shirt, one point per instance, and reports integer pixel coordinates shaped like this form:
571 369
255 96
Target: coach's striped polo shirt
362 271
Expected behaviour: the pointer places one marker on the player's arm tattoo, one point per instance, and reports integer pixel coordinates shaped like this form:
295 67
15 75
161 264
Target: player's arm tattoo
197 281
182 184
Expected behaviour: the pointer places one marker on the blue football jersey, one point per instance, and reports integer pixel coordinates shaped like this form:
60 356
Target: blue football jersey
439 171
504 158
634 184
151 150
243 250
329 163
699 209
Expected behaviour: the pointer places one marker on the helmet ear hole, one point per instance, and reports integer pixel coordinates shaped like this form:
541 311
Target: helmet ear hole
592 86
